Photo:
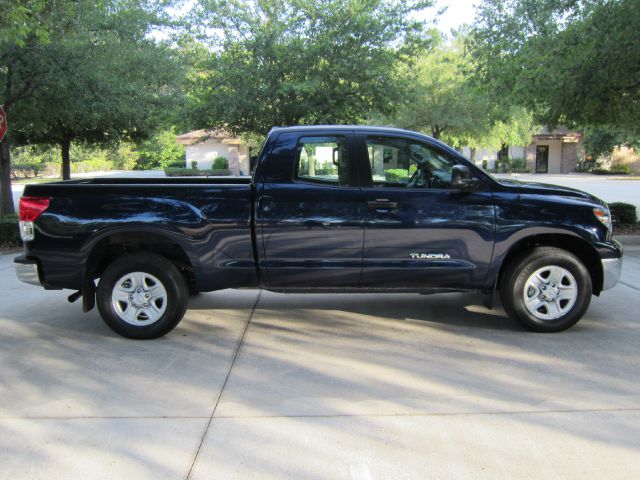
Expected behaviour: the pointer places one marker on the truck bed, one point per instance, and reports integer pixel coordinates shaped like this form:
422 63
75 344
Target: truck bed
206 222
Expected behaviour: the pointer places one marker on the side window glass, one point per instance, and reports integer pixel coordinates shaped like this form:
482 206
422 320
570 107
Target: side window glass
323 160
398 162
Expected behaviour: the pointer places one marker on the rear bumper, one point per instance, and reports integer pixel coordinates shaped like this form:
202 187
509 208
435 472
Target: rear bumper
27 270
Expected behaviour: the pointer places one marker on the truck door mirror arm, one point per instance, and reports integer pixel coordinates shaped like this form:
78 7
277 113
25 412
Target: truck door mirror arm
462 179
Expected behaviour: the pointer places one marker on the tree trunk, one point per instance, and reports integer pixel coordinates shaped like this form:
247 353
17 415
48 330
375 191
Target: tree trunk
6 194
503 158
472 154
504 152
65 145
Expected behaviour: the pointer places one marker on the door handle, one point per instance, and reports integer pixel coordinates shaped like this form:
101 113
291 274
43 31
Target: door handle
382 203
265 204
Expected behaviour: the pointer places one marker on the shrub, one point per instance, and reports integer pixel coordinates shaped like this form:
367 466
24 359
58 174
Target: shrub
93 165
615 170
26 170
624 213
397 175
620 169
517 165
219 172
190 172
175 164
327 171
220 163
9 232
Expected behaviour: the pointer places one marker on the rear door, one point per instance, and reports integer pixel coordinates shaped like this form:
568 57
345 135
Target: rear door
310 211
421 230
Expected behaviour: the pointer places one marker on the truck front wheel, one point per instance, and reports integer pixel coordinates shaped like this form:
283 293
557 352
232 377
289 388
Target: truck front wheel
142 296
547 289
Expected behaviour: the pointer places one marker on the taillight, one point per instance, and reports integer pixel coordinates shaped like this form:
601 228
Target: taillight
32 207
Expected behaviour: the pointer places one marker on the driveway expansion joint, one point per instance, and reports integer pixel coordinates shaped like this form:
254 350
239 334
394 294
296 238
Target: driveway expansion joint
224 384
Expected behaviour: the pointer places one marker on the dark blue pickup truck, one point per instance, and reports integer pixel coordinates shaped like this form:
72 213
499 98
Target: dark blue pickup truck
329 209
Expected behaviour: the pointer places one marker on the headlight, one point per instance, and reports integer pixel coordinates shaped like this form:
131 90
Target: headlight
603 215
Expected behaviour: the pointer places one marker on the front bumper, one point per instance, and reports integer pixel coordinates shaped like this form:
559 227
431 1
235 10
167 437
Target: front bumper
27 270
611 270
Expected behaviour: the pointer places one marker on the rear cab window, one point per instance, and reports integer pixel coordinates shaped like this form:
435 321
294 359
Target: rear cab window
323 160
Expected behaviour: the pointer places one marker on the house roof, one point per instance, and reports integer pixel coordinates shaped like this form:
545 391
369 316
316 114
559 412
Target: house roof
559 133
197 136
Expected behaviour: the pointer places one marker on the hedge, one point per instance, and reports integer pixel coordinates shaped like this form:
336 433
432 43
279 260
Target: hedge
26 170
9 233
175 164
398 175
623 213
192 172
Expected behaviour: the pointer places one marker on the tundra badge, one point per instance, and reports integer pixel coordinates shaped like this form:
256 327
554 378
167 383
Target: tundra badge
440 256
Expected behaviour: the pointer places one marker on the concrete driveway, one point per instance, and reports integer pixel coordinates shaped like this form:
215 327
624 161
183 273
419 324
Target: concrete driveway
262 385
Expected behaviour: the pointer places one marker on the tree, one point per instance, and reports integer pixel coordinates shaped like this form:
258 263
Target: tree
441 97
161 150
287 62
437 97
20 23
103 79
571 62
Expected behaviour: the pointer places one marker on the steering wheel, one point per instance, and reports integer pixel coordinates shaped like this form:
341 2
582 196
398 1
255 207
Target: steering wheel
420 178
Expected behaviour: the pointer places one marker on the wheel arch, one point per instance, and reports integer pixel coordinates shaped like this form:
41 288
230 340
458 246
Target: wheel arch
571 243
104 250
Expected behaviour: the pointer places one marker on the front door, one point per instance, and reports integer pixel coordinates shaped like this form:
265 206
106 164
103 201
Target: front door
542 158
420 229
311 217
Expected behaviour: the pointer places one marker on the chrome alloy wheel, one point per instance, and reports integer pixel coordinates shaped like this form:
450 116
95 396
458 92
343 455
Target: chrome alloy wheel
550 292
139 298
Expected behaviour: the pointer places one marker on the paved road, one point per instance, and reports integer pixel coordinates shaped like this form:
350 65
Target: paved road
269 386
609 189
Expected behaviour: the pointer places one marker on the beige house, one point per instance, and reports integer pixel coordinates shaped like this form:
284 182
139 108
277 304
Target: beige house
556 151
204 146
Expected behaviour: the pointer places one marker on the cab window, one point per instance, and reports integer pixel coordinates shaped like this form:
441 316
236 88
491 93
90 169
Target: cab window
323 160
403 163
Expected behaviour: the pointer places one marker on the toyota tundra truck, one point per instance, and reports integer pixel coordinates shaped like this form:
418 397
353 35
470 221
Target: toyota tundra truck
345 209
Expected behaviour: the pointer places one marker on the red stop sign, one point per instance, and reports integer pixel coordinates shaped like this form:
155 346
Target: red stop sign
3 123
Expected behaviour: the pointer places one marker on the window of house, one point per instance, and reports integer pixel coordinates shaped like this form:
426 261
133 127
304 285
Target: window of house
399 162
323 160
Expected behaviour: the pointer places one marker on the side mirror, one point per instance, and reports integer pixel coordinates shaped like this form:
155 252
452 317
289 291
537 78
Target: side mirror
461 178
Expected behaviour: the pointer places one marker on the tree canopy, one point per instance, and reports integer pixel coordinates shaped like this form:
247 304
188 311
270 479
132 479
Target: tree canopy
100 78
570 62
441 97
82 71
286 62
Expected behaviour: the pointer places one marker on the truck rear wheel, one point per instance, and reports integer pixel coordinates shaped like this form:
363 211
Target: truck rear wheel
142 296
547 289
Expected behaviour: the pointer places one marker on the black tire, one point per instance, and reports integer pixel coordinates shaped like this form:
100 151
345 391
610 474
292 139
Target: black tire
168 306
562 312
